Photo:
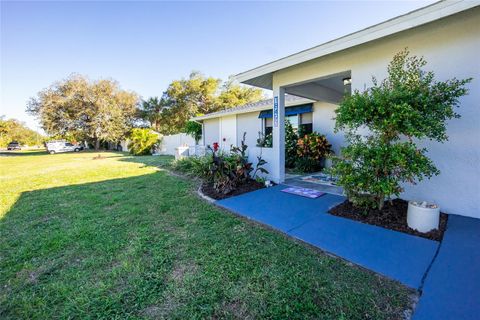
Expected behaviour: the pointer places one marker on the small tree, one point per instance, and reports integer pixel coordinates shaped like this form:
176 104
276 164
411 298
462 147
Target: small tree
142 141
408 104
194 129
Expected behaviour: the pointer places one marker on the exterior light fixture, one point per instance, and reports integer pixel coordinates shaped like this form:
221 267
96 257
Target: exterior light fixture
347 81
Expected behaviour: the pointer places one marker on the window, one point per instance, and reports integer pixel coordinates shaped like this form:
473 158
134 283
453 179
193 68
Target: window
293 121
299 121
306 125
267 126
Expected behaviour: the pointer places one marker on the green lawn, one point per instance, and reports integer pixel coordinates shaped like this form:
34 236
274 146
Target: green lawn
117 238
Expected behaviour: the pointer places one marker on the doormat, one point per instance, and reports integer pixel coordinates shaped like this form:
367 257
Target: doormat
304 192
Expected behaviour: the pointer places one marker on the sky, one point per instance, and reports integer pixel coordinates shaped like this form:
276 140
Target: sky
146 45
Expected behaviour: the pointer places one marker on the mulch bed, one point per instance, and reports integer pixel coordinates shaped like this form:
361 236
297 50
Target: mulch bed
252 185
392 216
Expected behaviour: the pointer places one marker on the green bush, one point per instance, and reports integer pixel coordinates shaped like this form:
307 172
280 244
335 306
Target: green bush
291 139
314 146
264 141
142 141
408 104
307 165
361 171
195 166
311 150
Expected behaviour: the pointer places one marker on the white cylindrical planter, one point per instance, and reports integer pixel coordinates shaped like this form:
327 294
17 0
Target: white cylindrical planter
423 216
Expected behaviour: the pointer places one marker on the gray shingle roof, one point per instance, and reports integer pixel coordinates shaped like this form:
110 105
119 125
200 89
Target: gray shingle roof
260 105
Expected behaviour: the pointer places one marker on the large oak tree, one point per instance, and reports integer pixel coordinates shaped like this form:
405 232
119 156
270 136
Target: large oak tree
193 96
92 110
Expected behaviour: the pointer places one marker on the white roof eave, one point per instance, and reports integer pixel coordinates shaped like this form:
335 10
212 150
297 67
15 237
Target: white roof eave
248 110
404 22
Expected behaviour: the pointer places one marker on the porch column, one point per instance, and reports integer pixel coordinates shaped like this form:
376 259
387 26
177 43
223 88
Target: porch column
278 165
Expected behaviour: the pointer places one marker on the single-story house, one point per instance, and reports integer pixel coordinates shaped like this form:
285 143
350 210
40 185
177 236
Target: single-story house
446 33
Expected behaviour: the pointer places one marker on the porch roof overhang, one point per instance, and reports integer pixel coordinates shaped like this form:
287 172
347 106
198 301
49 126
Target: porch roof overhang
262 76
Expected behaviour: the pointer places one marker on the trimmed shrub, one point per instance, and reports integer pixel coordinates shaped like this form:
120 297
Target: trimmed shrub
307 165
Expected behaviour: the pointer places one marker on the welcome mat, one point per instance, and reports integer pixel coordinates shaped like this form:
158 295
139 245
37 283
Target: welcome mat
320 179
304 192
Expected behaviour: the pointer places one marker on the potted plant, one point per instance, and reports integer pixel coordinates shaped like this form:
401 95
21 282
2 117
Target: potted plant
423 216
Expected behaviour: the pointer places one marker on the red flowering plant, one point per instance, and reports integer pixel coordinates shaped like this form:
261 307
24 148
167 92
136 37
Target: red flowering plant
229 170
313 145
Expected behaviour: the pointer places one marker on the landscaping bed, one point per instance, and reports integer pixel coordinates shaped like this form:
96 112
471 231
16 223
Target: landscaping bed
393 216
252 185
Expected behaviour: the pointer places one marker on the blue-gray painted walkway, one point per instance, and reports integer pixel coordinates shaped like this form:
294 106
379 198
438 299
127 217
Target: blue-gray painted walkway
452 287
396 255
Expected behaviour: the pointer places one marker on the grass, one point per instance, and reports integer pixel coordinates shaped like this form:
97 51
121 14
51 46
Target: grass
118 238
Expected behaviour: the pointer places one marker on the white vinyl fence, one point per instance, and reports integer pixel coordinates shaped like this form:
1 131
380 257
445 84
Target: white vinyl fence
170 143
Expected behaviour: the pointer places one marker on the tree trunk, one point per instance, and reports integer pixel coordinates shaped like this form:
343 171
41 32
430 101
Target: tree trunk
97 144
381 202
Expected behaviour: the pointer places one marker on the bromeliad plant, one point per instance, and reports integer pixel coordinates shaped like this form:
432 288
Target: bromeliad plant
409 104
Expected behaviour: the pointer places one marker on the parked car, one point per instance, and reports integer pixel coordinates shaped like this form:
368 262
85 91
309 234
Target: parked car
59 146
14 145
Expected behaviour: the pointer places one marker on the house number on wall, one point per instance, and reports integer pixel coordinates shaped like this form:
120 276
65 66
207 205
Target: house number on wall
275 111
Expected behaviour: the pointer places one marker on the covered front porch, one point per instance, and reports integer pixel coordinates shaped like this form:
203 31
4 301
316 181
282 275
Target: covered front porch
329 89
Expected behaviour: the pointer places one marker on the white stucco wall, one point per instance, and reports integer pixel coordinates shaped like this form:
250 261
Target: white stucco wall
451 47
233 127
211 131
324 123
251 124
266 154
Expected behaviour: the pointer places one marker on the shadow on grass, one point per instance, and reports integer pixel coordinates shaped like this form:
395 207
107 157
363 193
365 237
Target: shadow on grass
145 246
23 153
44 152
102 246
154 161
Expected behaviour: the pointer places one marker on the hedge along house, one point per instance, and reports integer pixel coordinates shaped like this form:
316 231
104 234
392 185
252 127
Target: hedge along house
446 33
